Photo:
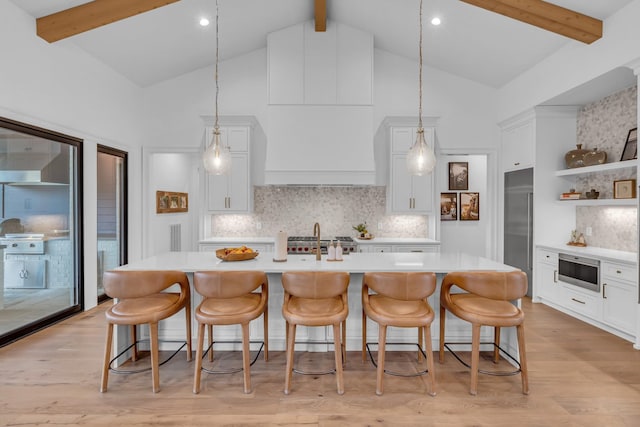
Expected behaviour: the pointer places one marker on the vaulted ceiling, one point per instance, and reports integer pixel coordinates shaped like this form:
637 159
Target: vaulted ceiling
476 43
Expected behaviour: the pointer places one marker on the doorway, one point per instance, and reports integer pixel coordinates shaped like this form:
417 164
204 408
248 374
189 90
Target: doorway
112 212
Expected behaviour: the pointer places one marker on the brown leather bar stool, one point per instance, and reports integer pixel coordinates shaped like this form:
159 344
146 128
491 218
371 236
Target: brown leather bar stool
141 300
229 299
486 302
315 298
399 300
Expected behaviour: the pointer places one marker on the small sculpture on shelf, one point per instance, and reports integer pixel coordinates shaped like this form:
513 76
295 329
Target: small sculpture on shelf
577 239
593 194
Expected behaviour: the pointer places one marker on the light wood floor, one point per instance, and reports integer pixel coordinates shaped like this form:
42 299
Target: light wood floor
579 376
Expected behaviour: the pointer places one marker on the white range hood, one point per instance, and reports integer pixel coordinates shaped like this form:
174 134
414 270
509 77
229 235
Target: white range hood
320 145
320 114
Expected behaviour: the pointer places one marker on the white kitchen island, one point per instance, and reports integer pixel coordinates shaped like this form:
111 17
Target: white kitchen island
355 264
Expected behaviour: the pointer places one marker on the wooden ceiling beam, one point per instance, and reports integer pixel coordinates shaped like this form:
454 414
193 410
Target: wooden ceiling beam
321 15
548 16
94 14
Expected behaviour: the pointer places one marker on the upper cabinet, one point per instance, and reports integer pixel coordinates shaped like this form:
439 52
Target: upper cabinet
518 143
231 193
408 194
306 67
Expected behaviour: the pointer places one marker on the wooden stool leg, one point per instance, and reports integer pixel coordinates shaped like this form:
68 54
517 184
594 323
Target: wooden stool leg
364 336
266 334
382 344
210 330
187 311
523 359
291 338
107 358
343 341
133 331
430 368
153 332
197 373
420 342
475 358
337 350
442 318
246 368
496 340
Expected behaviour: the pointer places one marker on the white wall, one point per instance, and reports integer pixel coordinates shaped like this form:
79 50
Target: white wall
58 87
576 63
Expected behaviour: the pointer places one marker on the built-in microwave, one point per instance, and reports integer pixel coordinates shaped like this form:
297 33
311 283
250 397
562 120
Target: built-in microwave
579 271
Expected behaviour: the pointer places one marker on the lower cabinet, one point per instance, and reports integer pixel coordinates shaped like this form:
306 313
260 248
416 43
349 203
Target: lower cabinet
401 248
614 308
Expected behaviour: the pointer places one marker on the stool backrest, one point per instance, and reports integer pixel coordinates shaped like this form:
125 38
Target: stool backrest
124 284
405 286
315 284
228 284
496 285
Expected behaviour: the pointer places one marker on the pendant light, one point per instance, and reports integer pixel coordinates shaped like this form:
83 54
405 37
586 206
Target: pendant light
421 159
216 158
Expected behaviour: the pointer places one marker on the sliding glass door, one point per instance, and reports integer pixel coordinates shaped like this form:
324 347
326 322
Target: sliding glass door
40 228
112 211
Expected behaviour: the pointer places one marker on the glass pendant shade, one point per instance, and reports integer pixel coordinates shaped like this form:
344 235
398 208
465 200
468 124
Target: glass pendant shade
216 159
421 159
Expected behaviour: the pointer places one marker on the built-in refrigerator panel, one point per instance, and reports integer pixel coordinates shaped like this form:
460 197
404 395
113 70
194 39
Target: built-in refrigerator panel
518 221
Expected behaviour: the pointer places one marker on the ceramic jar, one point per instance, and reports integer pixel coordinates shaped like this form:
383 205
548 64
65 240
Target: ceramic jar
595 157
575 158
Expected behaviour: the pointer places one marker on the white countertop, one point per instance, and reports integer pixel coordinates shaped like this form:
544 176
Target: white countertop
396 241
239 240
592 251
353 263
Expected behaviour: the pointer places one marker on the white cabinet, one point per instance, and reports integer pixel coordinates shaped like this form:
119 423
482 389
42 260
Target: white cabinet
406 193
396 246
231 193
518 144
614 309
619 295
212 247
547 286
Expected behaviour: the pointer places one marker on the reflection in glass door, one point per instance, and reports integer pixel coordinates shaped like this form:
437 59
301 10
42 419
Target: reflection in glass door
40 228
112 224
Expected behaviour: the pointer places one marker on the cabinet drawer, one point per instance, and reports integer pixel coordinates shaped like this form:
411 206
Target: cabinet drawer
580 302
618 272
548 257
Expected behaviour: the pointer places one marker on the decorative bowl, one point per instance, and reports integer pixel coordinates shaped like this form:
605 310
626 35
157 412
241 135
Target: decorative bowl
225 254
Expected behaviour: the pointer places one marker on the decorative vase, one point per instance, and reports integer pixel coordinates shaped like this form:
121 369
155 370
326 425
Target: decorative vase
575 158
595 157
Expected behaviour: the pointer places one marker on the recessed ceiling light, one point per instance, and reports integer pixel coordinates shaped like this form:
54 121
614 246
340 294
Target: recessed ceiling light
436 21
204 22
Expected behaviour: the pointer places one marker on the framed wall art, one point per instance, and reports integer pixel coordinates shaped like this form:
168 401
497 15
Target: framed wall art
458 175
630 151
448 206
171 202
469 206
624 189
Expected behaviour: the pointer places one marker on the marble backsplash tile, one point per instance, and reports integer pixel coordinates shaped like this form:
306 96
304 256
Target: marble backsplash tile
295 210
604 125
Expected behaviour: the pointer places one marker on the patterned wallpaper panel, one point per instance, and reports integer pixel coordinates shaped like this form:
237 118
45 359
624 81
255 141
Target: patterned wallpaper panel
295 210
604 125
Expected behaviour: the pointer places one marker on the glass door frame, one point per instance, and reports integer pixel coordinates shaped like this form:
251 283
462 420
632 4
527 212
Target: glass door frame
77 225
123 212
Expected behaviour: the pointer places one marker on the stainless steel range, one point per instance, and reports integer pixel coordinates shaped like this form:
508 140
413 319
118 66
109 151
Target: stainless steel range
24 266
302 245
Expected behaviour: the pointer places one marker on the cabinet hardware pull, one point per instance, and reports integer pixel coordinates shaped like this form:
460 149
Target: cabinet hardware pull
578 301
555 276
516 164
604 291
618 271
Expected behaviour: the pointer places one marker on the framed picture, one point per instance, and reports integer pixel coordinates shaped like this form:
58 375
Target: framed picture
458 175
469 206
448 206
631 146
171 202
624 189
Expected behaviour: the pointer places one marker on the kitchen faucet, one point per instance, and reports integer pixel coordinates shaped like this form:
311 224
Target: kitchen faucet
316 233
